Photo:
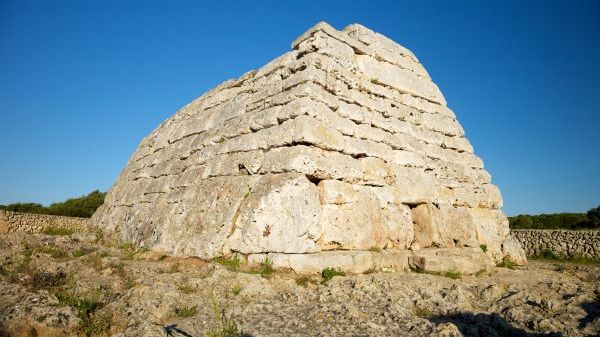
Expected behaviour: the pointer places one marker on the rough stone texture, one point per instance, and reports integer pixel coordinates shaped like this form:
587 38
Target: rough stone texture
36 223
343 143
565 243
138 295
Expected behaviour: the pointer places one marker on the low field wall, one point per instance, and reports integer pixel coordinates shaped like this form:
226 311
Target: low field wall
565 243
36 223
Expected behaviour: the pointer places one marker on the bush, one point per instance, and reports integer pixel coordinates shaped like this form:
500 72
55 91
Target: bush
591 219
82 207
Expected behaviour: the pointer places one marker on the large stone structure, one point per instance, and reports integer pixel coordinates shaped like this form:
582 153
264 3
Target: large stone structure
342 144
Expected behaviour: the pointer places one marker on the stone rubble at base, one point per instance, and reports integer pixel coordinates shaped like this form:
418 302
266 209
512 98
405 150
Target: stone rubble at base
342 144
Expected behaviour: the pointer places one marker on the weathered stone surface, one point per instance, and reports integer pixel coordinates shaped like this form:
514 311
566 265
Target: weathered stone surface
464 260
281 215
343 143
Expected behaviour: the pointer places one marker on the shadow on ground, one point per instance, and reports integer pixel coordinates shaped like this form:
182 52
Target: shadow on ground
172 330
476 325
592 311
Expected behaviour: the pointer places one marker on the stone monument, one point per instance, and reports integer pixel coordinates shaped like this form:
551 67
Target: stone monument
340 153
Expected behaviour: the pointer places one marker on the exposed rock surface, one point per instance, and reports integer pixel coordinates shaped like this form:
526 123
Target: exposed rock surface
106 290
343 143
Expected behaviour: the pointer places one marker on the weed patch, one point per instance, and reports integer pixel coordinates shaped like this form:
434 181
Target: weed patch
58 231
265 270
328 273
236 290
549 255
304 281
506 263
232 264
185 312
224 326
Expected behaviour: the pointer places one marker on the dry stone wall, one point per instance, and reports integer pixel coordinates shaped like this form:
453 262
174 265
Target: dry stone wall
343 143
36 223
565 243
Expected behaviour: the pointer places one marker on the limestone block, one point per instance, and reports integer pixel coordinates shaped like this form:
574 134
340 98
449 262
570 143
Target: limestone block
464 260
357 225
391 260
416 186
350 261
427 219
398 78
281 214
458 226
492 229
513 251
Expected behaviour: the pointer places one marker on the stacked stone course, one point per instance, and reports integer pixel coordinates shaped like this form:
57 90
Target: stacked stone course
36 223
564 243
342 144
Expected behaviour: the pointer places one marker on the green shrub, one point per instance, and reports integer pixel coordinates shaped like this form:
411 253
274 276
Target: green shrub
328 273
236 290
82 207
591 219
483 247
455 275
232 263
506 263
303 281
84 305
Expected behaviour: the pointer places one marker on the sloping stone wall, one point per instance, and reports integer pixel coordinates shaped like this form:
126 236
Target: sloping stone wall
566 243
36 223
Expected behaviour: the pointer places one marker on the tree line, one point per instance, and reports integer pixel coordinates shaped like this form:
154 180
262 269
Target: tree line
82 207
590 219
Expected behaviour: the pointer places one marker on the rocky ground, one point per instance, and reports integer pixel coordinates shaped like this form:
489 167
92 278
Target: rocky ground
78 285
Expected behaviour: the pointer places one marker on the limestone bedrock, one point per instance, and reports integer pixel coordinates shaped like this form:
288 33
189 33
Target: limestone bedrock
342 144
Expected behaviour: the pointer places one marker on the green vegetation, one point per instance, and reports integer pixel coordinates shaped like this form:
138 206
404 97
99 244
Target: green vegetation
422 312
265 270
483 248
185 312
232 263
506 263
591 220
328 273
303 281
58 231
85 307
224 326
83 207
549 255
455 275
54 251
236 290
132 250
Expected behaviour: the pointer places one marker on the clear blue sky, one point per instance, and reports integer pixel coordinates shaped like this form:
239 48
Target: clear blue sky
82 82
